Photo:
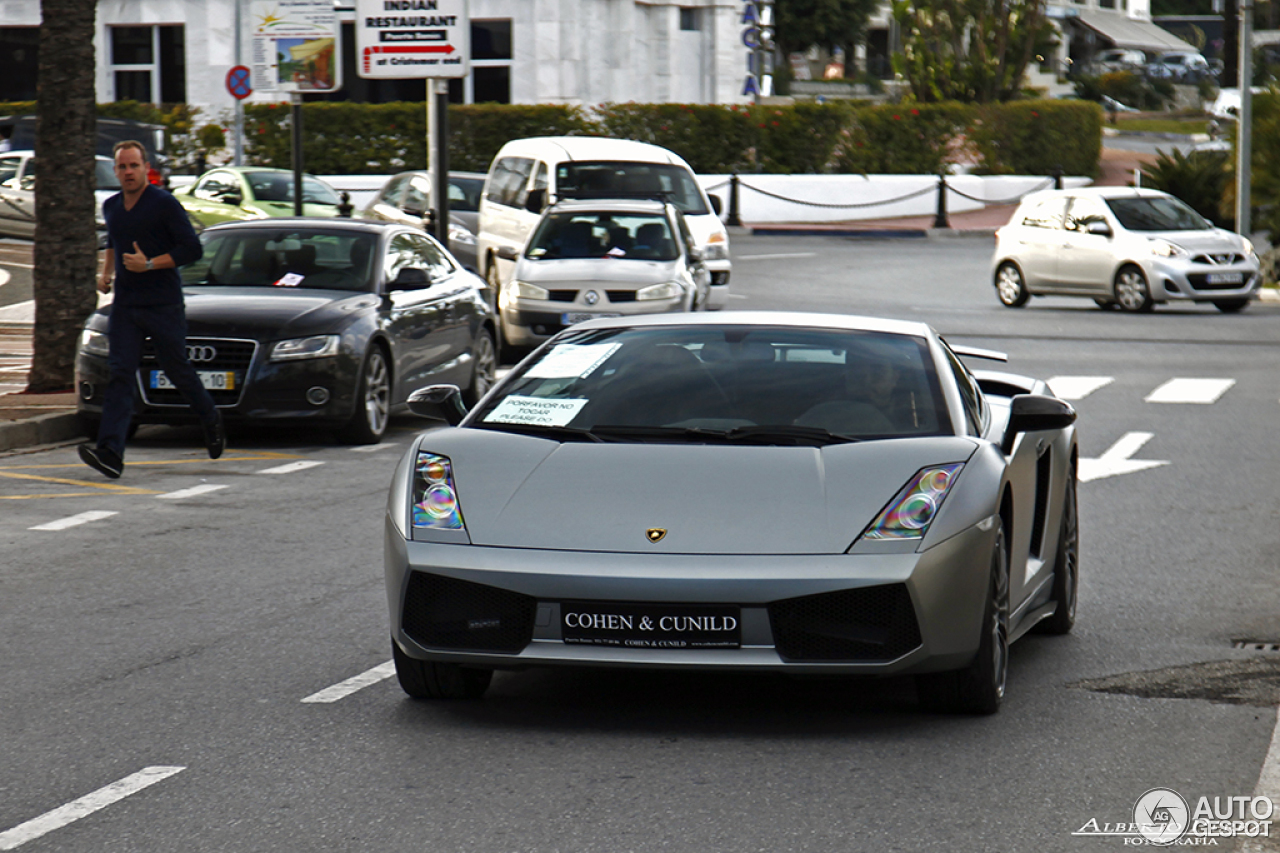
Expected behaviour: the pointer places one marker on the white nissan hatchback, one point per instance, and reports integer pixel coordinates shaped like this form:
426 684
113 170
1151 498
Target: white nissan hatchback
1122 246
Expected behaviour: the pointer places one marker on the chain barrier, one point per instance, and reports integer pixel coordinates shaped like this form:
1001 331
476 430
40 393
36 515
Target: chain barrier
916 194
1012 200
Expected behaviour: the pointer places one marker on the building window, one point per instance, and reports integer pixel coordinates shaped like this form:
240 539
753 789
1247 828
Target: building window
689 20
19 58
490 80
148 64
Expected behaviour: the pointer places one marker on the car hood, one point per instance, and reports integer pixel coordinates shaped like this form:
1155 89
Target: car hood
1216 240
285 208
271 313
524 492
603 271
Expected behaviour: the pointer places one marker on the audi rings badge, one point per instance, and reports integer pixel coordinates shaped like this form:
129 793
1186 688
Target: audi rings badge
201 354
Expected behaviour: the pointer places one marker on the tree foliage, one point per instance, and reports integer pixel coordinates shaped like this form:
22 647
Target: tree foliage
968 50
802 24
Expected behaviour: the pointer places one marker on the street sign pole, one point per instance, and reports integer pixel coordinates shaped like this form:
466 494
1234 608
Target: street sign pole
440 159
296 97
238 151
1244 123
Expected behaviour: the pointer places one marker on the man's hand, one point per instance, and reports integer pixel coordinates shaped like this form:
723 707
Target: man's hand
135 261
104 285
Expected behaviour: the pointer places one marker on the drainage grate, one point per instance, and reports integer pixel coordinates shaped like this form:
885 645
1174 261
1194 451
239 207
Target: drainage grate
1256 645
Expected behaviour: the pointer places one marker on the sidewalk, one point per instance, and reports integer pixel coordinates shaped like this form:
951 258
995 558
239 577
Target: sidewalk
30 420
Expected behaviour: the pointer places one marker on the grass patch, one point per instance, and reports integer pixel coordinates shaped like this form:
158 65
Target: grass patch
1162 125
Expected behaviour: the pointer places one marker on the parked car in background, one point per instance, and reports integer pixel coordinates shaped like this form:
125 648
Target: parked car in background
406 198
589 259
18 193
1118 59
325 322
1122 246
248 192
1179 66
109 132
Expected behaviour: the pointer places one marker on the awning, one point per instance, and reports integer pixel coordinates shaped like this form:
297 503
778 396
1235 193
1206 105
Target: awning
1123 31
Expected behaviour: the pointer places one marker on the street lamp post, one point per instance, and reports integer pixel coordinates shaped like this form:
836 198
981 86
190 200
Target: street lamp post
1244 127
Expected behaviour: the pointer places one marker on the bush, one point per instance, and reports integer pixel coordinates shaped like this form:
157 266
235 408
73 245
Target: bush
1038 138
1199 178
712 138
906 139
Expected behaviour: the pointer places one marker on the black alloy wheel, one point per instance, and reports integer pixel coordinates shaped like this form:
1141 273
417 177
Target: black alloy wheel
484 368
422 679
1066 566
373 401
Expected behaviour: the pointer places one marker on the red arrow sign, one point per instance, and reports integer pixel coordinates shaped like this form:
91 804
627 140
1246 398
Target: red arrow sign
402 49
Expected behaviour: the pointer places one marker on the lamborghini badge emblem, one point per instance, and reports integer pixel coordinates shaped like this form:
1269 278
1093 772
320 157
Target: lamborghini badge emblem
655 534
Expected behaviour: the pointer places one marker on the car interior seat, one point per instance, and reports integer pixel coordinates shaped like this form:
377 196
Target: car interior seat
257 263
652 242
301 260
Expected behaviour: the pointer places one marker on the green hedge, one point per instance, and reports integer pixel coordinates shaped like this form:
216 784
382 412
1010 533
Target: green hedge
840 137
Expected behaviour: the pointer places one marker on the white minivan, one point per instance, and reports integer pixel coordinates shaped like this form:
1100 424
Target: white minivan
529 174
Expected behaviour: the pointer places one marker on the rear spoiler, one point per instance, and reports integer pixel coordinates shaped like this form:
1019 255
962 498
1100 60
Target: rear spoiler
975 352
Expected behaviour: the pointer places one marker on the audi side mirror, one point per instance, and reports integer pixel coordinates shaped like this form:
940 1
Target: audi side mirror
411 278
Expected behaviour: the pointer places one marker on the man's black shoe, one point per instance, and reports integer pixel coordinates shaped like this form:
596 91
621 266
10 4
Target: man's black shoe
102 458
215 437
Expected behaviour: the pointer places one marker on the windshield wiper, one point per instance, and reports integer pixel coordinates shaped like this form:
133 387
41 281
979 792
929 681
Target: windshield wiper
559 433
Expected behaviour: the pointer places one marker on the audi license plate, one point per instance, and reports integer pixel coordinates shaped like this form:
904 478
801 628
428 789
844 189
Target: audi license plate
1225 278
568 319
651 626
213 380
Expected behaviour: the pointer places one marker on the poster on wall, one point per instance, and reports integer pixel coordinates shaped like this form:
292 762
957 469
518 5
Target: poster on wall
296 46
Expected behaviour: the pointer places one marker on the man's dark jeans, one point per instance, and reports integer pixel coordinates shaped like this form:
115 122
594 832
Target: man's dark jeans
166 325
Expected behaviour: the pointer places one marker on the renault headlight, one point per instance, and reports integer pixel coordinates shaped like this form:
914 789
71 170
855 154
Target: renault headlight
316 346
1165 249
435 498
909 515
94 343
524 290
666 290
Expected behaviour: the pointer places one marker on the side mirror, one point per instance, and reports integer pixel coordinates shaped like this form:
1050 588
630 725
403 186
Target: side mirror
1099 227
1035 412
536 201
440 402
508 254
411 278
231 198
717 206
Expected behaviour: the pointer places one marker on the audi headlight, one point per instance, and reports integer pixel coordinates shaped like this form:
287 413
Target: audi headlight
1165 249
316 346
435 498
523 290
666 290
909 515
94 343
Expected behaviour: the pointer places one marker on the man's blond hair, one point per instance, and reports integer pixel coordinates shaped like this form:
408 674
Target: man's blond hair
130 143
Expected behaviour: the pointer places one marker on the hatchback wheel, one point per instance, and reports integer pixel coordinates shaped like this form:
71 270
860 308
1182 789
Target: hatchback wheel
1010 287
1132 291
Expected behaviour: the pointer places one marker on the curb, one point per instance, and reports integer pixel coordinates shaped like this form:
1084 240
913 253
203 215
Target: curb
41 429
818 231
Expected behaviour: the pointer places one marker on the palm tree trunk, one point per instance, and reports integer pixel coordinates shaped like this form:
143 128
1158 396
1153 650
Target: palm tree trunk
66 256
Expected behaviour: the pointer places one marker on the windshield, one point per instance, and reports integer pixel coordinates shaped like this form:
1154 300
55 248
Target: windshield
1160 213
627 236
271 186
712 384
326 260
664 181
105 175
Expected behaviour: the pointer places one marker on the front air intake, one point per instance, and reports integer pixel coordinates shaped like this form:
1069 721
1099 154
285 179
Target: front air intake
445 613
875 623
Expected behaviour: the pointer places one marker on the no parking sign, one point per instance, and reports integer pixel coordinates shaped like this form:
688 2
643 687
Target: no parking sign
238 82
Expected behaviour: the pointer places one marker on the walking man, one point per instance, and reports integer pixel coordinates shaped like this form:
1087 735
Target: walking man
148 238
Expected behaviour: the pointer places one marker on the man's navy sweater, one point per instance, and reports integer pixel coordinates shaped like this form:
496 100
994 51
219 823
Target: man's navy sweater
159 225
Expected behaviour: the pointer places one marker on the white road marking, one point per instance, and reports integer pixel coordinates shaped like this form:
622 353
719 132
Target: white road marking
191 492
1078 387
291 467
75 520
1268 786
1116 460
351 685
373 448
1202 391
86 805
777 256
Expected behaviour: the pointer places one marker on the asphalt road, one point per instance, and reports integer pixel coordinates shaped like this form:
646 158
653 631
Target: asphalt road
180 637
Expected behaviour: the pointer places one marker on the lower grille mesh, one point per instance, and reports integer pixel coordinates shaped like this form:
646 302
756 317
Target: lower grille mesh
444 613
874 623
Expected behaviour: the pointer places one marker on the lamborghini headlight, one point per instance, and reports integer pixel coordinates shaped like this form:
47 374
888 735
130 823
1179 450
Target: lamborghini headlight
909 514
435 498
667 290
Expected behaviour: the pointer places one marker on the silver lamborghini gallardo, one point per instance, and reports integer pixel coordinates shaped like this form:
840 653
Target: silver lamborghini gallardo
817 494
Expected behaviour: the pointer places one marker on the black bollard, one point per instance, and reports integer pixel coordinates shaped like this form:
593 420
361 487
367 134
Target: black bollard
345 207
940 218
734 217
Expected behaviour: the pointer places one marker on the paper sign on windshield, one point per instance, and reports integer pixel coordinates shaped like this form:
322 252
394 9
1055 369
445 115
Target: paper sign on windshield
535 410
572 360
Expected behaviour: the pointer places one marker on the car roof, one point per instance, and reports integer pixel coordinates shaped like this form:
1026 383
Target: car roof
589 148
608 206
1095 192
318 223
796 319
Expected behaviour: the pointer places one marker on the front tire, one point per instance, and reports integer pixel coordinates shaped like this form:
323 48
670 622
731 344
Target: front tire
1066 567
1011 288
978 688
422 679
373 402
1132 291
484 367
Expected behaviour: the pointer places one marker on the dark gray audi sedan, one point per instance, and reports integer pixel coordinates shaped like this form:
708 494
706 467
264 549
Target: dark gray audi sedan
329 322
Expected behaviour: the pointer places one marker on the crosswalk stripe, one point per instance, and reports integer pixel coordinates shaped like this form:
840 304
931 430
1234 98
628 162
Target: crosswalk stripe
1078 387
191 492
1184 390
291 467
75 520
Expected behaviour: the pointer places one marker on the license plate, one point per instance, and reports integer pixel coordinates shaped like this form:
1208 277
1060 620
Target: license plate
1225 278
651 626
212 380
570 318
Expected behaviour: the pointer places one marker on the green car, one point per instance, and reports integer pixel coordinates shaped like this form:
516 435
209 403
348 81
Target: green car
244 192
